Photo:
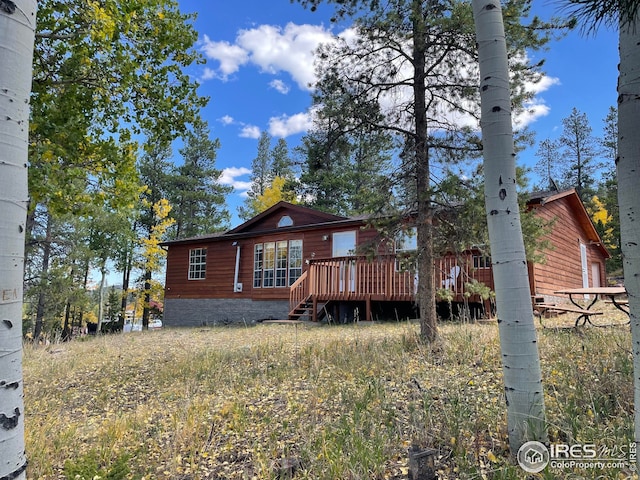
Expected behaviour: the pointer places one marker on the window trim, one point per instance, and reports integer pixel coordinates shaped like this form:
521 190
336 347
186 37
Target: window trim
269 265
481 262
283 269
281 264
294 245
405 257
197 269
258 264
285 221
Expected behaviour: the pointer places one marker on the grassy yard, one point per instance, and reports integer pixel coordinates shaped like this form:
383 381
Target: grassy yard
336 402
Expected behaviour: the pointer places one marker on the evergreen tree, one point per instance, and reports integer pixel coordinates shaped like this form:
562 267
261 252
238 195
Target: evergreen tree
197 199
281 163
260 177
579 155
548 165
607 215
347 170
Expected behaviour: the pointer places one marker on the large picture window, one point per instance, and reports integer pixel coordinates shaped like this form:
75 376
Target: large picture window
197 263
277 264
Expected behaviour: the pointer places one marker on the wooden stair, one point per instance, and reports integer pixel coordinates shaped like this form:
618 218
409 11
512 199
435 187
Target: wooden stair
303 308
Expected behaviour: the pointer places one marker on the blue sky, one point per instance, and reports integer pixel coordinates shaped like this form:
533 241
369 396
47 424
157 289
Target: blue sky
260 62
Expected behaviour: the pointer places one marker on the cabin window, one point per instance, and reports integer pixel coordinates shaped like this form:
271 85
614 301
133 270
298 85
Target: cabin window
295 260
285 221
277 264
406 244
269 264
258 257
481 261
407 241
281 264
197 263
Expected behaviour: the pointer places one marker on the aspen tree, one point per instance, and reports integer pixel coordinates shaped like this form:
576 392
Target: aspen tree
17 34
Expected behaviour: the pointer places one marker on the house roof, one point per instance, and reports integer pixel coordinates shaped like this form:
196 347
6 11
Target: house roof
286 208
305 218
582 216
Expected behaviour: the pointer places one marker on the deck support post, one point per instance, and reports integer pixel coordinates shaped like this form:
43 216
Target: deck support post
368 308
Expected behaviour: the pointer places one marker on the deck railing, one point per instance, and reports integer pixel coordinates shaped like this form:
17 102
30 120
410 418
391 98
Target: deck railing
359 276
299 291
381 278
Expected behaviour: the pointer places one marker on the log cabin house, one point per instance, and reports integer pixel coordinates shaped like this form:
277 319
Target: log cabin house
293 262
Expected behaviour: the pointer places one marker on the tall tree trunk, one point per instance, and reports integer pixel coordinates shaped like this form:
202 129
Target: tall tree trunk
68 323
126 276
628 168
426 292
103 277
44 280
146 309
518 340
17 31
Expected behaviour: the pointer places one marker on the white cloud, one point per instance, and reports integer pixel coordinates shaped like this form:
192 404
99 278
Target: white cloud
230 176
544 84
226 120
536 107
208 74
290 49
250 131
280 86
273 49
285 125
230 57
533 111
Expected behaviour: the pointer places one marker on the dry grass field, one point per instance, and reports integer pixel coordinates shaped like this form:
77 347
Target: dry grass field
330 402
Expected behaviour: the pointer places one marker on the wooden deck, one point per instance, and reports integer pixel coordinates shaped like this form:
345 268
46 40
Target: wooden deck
351 279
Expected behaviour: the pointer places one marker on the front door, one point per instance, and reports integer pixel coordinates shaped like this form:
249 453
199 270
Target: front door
585 267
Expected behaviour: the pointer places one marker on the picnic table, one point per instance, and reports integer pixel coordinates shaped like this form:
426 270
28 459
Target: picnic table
614 295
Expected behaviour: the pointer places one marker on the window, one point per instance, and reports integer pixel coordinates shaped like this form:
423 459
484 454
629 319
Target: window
344 244
295 260
269 264
281 264
285 221
405 248
277 264
197 263
407 241
258 257
481 261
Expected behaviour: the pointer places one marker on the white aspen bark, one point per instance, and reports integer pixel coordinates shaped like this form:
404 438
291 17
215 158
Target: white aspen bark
628 171
17 30
518 340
